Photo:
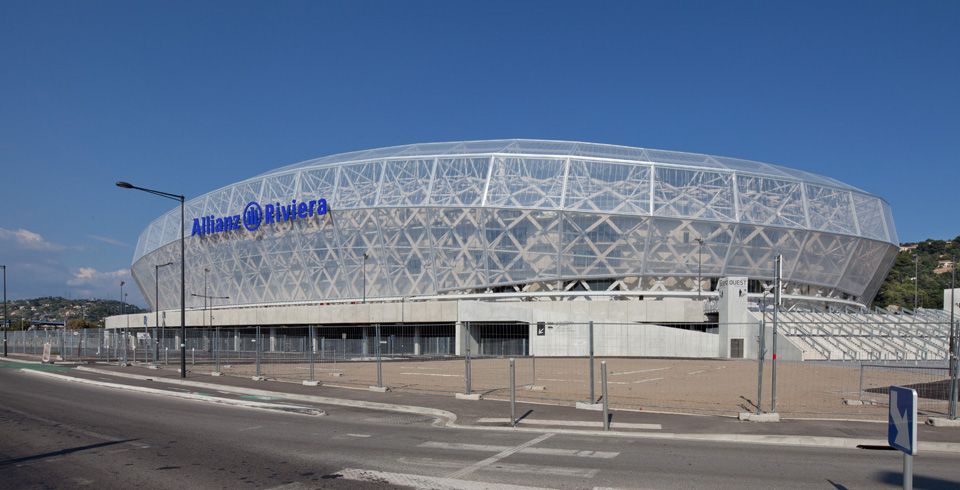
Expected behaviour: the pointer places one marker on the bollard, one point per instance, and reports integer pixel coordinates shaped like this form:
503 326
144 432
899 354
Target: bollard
513 393
761 353
593 398
603 387
193 356
166 356
379 372
216 348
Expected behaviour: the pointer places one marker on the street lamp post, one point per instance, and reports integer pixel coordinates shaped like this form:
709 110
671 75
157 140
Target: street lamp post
365 277
916 281
124 332
953 343
183 294
6 319
156 311
699 271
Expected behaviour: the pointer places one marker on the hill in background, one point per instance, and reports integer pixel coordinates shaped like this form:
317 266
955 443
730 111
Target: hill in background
77 312
936 263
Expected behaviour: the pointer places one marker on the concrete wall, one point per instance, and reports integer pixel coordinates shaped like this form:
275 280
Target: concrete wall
622 340
647 311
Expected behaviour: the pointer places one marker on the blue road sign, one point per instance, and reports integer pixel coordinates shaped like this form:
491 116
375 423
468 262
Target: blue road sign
902 420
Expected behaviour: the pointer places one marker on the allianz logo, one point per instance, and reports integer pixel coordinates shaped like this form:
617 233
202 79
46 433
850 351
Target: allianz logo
254 215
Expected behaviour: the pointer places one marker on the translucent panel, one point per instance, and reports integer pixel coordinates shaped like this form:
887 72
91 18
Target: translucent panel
526 183
359 185
690 159
869 216
319 183
358 234
891 228
770 201
693 194
521 245
613 187
279 189
407 257
755 249
830 209
457 235
673 248
602 245
823 259
751 166
868 257
459 181
611 151
543 147
405 182
880 274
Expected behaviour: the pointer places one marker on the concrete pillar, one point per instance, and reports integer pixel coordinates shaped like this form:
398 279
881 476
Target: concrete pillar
464 334
417 350
366 338
273 339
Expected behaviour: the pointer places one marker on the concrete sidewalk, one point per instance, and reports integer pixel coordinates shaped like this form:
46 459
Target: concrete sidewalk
496 413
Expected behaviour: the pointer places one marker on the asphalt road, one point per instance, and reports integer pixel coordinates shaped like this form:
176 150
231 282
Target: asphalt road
56 434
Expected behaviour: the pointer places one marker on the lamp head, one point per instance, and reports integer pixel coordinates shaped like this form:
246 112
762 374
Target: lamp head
124 185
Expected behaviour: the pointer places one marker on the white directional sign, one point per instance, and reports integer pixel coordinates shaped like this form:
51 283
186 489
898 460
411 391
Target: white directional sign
902 421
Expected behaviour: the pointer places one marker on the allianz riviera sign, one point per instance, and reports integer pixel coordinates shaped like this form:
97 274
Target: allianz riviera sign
254 215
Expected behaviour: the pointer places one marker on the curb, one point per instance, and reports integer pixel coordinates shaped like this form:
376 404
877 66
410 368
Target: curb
443 417
449 419
301 410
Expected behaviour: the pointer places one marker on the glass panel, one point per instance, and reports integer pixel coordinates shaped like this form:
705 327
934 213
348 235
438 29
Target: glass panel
829 209
673 247
459 181
613 187
770 201
526 183
359 185
602 245
405 182
522 245
693 194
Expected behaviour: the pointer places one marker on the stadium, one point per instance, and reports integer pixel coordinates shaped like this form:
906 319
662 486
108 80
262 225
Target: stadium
518 232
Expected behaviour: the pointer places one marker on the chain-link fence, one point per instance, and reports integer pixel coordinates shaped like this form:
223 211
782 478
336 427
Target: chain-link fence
673 368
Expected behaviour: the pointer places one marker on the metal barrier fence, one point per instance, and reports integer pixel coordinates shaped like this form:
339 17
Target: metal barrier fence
428 358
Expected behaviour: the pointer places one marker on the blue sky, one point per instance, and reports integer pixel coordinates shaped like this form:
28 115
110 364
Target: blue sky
190 96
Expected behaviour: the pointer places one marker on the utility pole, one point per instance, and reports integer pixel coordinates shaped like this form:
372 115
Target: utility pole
953 343
916 281
773 340
6 319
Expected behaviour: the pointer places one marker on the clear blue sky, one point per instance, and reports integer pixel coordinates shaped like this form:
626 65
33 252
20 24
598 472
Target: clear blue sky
190 96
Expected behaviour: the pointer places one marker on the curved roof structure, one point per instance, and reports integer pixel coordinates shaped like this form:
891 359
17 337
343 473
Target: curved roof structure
458 216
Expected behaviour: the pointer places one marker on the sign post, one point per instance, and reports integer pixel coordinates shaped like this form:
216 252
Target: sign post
902 428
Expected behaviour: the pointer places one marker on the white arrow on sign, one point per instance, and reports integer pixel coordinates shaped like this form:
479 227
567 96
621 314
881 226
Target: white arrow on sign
899 421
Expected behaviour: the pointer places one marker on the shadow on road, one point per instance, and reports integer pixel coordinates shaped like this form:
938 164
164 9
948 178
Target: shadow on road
61 452
919 482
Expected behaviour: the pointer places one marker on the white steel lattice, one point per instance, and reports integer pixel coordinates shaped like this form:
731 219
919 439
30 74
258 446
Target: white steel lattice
441 217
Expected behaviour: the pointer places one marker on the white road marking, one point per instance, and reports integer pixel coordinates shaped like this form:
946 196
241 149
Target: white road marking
532 469
420 481
640 371
646 380
436 374
698 372
577 453
255 427
359 435
572 423
553 379
497 457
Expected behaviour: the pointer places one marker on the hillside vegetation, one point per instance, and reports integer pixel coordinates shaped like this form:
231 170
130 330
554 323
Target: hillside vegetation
898 288
56 309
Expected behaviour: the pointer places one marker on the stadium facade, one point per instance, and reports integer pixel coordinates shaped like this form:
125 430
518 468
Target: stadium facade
564 230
